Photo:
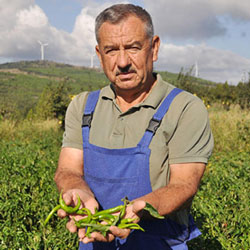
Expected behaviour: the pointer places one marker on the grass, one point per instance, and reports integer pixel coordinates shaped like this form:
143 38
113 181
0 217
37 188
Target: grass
231 129
10 129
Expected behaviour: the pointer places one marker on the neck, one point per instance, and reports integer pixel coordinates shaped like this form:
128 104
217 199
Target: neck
129 98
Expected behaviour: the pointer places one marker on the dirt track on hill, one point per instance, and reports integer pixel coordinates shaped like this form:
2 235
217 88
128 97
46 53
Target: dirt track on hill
18 71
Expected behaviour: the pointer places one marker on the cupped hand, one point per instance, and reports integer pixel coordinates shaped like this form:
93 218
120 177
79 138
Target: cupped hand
132 211
70 197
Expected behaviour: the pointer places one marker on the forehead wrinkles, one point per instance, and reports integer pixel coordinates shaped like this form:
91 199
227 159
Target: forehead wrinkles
131 29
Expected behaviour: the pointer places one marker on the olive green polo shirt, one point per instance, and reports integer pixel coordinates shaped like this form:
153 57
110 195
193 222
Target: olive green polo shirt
183 136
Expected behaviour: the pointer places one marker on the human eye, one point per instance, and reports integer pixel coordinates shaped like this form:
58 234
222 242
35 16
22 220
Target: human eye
110 51
134 48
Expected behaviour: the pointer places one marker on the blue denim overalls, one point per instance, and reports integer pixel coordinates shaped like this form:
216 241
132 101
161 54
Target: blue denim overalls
113 174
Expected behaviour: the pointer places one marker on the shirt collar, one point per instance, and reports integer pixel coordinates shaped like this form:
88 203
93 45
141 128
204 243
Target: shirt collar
157 94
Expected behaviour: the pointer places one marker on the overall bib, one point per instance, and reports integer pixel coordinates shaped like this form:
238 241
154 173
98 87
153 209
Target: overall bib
113 174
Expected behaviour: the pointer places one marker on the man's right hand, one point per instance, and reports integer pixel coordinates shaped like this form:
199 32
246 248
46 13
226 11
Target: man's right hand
70 198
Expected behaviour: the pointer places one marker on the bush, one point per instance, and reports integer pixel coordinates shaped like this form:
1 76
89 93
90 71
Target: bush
52 103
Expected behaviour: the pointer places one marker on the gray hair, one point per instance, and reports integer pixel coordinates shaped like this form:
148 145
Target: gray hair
119 12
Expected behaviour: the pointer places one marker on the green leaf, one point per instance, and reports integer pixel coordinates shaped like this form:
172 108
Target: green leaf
153 211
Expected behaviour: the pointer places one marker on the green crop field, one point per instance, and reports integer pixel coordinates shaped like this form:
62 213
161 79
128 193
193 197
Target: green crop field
30 145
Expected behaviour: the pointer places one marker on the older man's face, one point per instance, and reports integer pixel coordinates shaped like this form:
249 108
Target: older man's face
127 54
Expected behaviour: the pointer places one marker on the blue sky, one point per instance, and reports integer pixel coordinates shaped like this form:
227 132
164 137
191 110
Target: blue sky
61 13
213 33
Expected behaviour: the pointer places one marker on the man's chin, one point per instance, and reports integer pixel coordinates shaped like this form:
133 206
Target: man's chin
126 86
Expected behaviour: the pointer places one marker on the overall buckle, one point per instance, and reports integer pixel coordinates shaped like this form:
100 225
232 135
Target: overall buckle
153 125
86 120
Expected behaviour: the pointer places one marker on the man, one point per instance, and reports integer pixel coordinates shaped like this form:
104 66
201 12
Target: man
118 150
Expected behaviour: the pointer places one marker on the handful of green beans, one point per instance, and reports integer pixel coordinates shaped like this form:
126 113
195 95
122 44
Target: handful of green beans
101 221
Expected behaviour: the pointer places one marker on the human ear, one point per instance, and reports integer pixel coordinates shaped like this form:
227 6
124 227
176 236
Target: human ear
155 47
98 53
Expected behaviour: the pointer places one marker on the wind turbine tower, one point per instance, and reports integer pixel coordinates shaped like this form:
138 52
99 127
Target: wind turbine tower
196 73
42 49
92 61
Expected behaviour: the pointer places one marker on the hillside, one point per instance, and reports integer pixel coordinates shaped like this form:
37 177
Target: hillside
59 71
22 83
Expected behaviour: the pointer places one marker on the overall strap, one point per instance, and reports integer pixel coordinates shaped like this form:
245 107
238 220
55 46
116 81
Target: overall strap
157 117
88 113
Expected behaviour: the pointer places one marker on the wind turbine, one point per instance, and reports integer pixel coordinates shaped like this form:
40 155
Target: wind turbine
92 61
244 76
42 48
196 73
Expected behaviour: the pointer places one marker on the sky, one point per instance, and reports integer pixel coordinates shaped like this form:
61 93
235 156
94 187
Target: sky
212 34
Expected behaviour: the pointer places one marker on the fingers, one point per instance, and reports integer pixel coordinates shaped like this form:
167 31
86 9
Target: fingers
61 213
95 236
81 233
138 205
91 204
71 226
71 198
68 198
118 232
135 210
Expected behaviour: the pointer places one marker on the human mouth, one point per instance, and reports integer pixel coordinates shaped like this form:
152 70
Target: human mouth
125 75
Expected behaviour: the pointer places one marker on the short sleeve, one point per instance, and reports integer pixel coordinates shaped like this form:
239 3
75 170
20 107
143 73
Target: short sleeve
72 136
192 140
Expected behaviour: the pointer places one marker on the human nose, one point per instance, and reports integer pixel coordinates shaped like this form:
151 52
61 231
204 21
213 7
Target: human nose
123 60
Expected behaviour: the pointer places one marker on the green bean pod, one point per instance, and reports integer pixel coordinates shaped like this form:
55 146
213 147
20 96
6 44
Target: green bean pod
104 217
90 226
109 211
127 220
131 226
85 211
51 213
69 209
123 210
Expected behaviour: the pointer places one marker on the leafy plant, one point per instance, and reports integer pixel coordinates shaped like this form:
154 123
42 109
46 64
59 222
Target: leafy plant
221 206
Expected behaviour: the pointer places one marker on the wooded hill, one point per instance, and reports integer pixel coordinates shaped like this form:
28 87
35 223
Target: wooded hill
22 84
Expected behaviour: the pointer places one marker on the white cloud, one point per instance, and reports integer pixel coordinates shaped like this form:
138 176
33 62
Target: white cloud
20 25
8 11
237 9
216 65
196 19
32 17
25 23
